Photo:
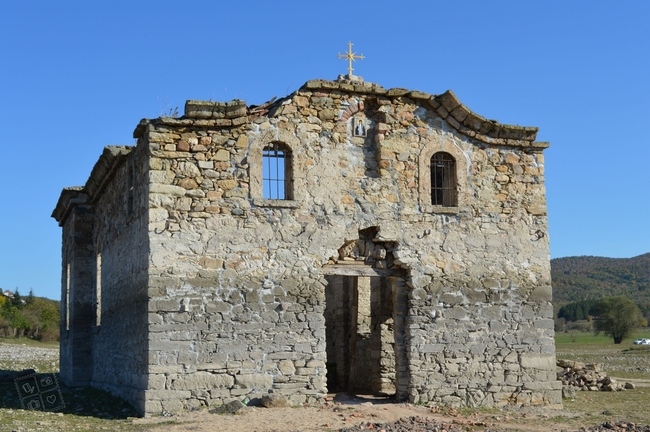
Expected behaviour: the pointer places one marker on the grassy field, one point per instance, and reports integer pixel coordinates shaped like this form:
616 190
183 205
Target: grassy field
92 410
623 361
29 342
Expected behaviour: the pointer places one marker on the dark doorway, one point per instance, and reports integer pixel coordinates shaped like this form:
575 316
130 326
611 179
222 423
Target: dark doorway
360 334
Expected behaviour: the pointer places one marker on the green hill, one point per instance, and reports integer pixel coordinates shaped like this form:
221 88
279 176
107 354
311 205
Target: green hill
28 316
589 277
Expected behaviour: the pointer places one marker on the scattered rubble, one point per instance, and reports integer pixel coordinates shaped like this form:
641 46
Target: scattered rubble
14 357
618 426
417 424
586 377
421 424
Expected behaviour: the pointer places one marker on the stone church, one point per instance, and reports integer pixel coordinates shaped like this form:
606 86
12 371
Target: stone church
344 238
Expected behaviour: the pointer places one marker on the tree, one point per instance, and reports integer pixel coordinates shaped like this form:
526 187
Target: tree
29 316
17 300
616 317
30 298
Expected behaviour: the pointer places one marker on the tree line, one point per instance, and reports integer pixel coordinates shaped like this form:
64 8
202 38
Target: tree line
586 310
29 316
613 316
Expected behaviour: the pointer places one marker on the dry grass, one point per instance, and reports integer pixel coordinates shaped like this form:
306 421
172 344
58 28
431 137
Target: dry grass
29 342
598 407
624 360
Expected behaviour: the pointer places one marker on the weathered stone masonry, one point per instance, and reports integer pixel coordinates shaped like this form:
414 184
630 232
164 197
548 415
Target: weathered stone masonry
209 291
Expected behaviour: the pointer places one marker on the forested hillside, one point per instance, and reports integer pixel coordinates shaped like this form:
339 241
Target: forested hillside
589 277
29 316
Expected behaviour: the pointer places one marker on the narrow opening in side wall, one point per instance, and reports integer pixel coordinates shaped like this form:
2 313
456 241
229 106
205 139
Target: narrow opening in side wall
130 184
360 341
98 290
67 297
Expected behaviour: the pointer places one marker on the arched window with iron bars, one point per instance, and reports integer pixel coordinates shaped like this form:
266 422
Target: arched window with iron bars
443 180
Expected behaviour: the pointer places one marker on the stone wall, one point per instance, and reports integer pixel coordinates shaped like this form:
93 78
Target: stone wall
120 236
104 279
237 282
76 290
241 303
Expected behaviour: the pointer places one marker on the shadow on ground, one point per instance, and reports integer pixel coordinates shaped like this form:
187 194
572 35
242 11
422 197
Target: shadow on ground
358 399
81 401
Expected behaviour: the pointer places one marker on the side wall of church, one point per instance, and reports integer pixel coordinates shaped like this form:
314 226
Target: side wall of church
77 295
120 252
237 284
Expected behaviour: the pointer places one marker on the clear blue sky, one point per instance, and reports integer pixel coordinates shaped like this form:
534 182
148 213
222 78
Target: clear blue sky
77 76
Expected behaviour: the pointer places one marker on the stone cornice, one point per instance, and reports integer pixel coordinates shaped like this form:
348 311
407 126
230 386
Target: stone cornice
104 168
111 158
446 105
69 196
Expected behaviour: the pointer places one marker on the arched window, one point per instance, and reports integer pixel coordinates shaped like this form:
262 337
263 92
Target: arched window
443 180
276 172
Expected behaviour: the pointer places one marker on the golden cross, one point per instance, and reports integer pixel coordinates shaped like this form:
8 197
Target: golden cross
350 56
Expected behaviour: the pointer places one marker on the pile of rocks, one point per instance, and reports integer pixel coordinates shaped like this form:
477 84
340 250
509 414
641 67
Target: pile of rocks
587 377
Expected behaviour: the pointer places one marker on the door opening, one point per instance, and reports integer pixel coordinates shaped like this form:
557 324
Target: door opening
360 334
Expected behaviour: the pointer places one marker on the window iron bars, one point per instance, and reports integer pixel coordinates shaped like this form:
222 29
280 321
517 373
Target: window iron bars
443 180
276 178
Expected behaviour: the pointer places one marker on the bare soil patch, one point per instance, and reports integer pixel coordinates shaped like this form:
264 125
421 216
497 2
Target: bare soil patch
358 414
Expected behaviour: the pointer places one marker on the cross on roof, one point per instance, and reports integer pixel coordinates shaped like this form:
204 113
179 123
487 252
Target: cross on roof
349 55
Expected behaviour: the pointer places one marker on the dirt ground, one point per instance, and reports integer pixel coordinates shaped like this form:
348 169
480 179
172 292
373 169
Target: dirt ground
345 412
91 410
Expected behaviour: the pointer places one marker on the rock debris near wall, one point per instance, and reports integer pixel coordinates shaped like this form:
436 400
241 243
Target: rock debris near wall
586 377
420 424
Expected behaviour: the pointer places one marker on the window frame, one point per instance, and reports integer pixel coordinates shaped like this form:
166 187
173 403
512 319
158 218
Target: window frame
277 185
293 170
443 180
429 149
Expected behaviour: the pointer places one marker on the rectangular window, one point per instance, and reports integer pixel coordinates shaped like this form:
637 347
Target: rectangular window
276 172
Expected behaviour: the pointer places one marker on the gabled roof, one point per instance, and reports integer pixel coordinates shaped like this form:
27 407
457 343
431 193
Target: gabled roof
446 105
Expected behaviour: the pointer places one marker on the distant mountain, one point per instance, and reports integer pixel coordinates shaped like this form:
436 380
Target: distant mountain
590 277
